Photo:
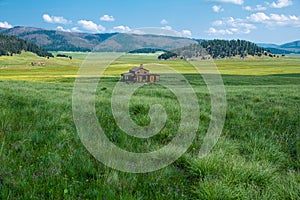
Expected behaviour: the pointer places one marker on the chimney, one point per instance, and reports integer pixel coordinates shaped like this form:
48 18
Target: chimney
141 66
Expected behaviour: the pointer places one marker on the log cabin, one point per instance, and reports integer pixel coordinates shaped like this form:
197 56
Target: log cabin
140 75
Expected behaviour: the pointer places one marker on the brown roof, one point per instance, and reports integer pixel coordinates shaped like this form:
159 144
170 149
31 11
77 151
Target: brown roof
135 69
128 74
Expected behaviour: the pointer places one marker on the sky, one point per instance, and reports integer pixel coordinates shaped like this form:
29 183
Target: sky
267 21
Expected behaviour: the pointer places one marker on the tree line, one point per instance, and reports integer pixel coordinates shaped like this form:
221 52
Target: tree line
217 49
10 45
147 50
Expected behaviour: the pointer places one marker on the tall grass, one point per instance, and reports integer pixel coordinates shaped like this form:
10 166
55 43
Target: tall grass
257 156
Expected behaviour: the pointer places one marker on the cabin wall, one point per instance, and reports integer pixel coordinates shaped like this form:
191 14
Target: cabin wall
141 76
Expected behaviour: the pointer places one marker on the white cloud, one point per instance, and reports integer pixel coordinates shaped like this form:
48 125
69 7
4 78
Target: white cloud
169 28
258 17
239 23
249 8
260 8
122 29
218 23
217 8
275 19
139 32
107 18
75 29
237 2
91 26
60 28
55 19
186 33
256 8
5 25
164 22
231 26
214 31
281 3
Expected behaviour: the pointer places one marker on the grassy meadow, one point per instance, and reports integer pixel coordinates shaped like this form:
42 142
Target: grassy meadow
256 157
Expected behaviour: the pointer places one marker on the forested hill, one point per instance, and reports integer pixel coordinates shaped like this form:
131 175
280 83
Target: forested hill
218 49
10 45
52 40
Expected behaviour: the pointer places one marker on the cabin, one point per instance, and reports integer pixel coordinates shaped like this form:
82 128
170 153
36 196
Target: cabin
140 75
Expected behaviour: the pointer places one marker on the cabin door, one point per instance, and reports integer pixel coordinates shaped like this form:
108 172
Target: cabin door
140 79
151 79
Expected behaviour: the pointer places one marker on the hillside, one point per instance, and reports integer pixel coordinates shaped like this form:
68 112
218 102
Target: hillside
292 46
288 48
216 49
10 45
268 45
280 51
130 42
52 40
65 41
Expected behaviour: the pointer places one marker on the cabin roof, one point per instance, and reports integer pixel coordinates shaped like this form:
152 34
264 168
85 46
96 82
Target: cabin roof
135 69
128 74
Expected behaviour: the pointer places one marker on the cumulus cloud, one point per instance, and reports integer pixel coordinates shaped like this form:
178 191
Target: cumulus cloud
60 28
55 19
169 28
237 2
75 29
275 19
91 26
229 26
186 33
164 22
139 32
258 17
214 31
218 23
122 29
281 3
217 8
256 8
183 33
107 18
5 25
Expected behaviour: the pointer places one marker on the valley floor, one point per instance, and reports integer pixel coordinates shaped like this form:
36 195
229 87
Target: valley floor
256 157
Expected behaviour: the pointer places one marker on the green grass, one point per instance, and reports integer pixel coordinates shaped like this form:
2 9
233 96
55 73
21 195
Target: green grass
257 156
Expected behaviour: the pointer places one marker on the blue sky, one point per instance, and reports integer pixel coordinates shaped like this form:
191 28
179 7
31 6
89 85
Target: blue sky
269 21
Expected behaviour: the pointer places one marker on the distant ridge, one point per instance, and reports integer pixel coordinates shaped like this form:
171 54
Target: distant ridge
288 48
280 51
52 40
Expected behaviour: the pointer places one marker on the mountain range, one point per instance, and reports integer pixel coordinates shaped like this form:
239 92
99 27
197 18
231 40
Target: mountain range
291 47
52 40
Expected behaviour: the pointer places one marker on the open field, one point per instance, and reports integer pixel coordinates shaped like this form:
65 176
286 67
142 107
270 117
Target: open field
257 156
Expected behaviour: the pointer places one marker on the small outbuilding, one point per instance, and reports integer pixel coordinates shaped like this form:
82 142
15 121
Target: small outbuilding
38 64
140 75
